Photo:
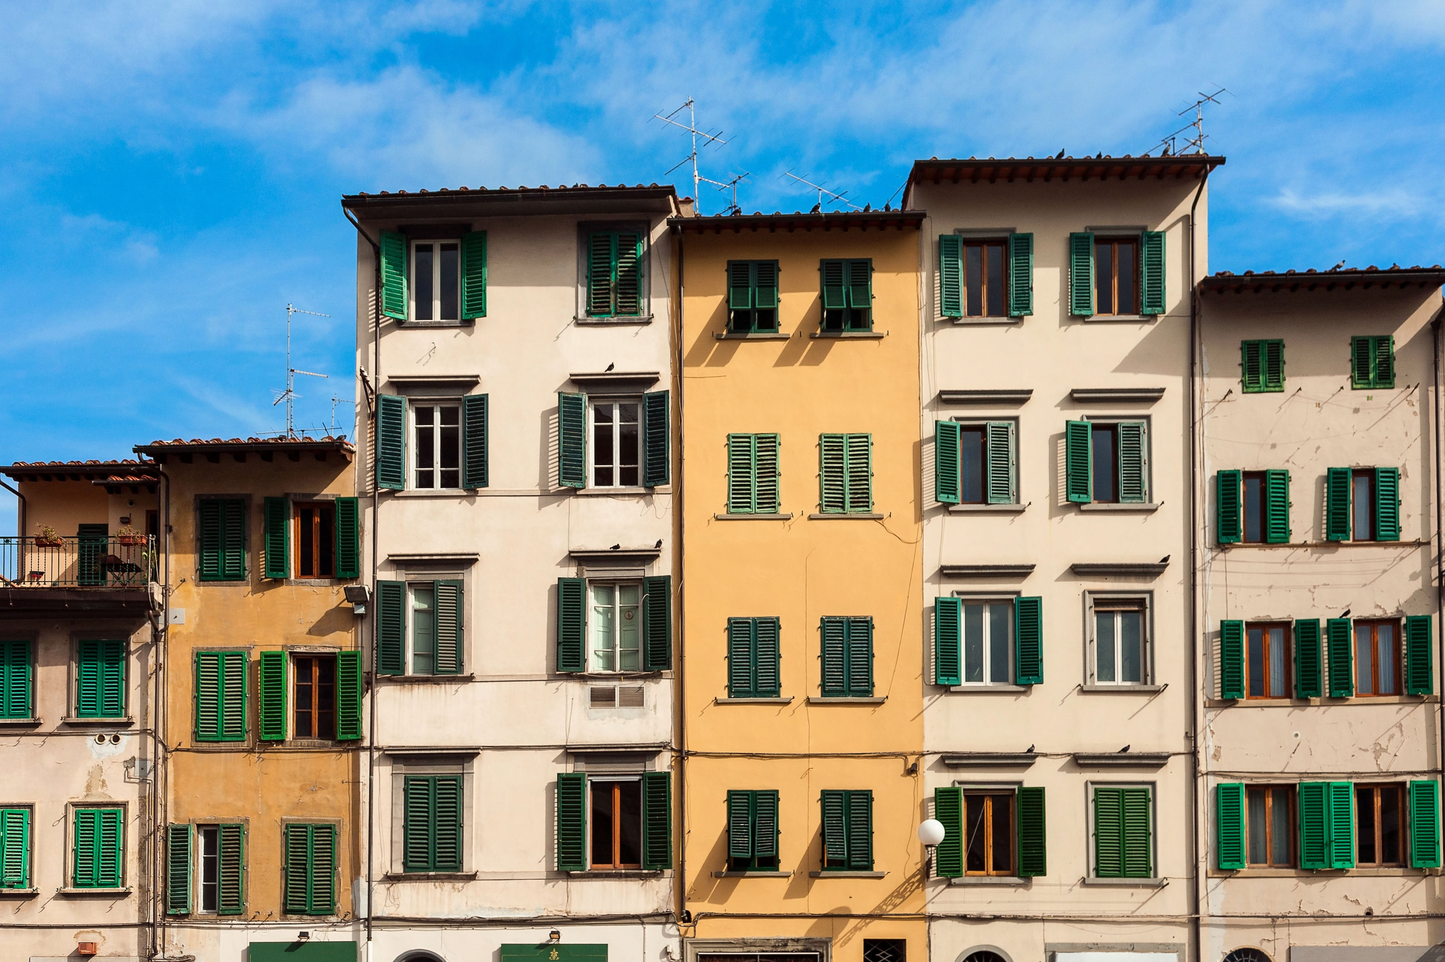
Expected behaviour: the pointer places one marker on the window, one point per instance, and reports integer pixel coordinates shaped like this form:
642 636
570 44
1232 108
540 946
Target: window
753 473
847 295
630 446
1377 657
988 833
630 820
616 626
222 541
1267 660
616 448
1106 461
99 848
631 625
1262 366
309 883
753 656
1363 504
420 627
985 291
845 473
1121 641
752 831
998 831
1372 362
220 696
432 823
315 539
752 297
1362 490
437 451
991 277
436 280
976 463
16 686
449 448
100 679
220 861
15 848
847 830
616 823
614 274
988 642
1380 810
1270 817
1326 825
1123 832
315 712
885 950
847 657
1252 506
1116 275
441 279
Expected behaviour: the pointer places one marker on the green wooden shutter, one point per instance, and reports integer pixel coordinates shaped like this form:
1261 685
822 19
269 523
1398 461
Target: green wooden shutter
1079 462
571 624
393 275
178 869
348 696
630 261
860 831
740 285
860 290
947 641
571 440
83 843
1337 504
947 475
1276 507
1109 832
835 285
447 824
309 885
1231 659
766 654
233 696
656 821
390 442
15 678
765 467
450 627
832 454
1339 635
1341 815
656 439
233 530
765 824
765 287
1362 356
207 697
657 623
110 863
1151 272
742 485
276 518
740 657
1033 859
860 473
833 634
100 679
323 869
860 657
220 696
99 848
1425 824
740 824
1387 504
834 805
1028 641
231 869
1308 678
1274 365
296 871
1226 507
1384 356
1002 487
14 848
271 695
601 272
1020 275
1251 365
948 810
416 834
390 628
474 275
1138 834
1314 839
1081 274
208 539
1419 667
950 275
474 441
92 545
1133 463
572 822
348 538
1229 825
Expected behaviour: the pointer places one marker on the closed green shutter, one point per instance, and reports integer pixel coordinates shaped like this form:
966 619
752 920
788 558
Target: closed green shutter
740 657
765 466
450 627
1341 814
601 271
234 723
1226 507
1372 362
571 624
1033 859
416 841
276 515
741 478
656 439
474 275
390 442
950 275
1311 800
765 824
14 848
393 275
860 285
231 869
447 823
629 275
222 539
1151 272
1229 825
1385 361
1078 462
999 438
835 284
100 679
309 875
208 539
1231 659
1133 463
1308 663
271 695
92 545
656 821
947 477
657 623
15 675
740 824
1387 504
572 822
1276 507
1251 365
1138 834
1028 641
178 869
740 285
948 810
99 847
296 870
1109 833
220 696
1274 365
432 823
834 805
765 288
860 830
571 440
390 628
1419 660
207 697
1425 824
348 538
474 441
860 473
1337 504
1020 275
860 657
348 696
833 632
1081 274
766 654
947 640
832 474
1338 635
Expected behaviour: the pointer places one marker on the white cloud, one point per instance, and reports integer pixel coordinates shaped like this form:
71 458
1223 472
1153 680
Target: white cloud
1397 202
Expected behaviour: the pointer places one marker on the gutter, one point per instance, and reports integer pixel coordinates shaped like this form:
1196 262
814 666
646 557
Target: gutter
1439 541
1195 388
679 677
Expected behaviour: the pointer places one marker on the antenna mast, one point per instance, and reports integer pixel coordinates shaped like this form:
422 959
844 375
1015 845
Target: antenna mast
707 138
1194 144
289 395
821 191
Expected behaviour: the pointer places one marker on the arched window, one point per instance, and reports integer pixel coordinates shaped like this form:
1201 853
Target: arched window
984 955
1246 955
422 956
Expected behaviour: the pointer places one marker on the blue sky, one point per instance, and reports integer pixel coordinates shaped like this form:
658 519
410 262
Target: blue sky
170 171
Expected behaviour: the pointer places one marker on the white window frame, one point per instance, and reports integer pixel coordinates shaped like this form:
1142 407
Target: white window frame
1008 602
436 404
1153 787
1145 600
436 317
613 583
592 403
1147 442
215 829
1015 481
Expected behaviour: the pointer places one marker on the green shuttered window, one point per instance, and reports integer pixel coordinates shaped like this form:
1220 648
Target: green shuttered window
966 478
1425 824
474 275
1231 659
1123 832
220 696
845 473
97 848
1030 838
1229 839
752 297
390 442
309 883
572 822
1339 639
615 273
847 818
655 826
1372 362
656 439
753 658
393 275
432 823
348 538
1028 641
1326 825
571 440
752 830
847 657
753 475
847 292
1419 658
16 674
100 679
222 541
276 542
440 635
179 841
14 848
1123 477
1308 661
1081 274
1262 365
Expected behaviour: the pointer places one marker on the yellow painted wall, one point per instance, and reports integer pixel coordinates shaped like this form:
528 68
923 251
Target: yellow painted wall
800 570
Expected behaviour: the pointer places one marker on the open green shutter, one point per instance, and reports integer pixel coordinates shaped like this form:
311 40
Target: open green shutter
835 285
948 810
656 439
178 869
765 472
1226 507
572 822
834 805
1229 825
1341 815
1020 275
1133 463
740 657
740 824
1109 832
1033 859
390 628
860 284
766 654
1387 504
277 541
947 477
207 696
741 473
860 830
950 275
1311 800
1231 659
1419 660
765 824
1337 504
1079 462
474 441
15 678
1425 824
860 472
947 641
1339 636
571 624
1308 677
450 627
832 467
393 275
999 438
271 695
1276 507
231 869
1251 365
832 632
571 440
656 821
860 657
740 285
348 538
14 848
474 275
1151 272
348 696
1081 274
657 623
233 727
390 442
1384 356
1028 641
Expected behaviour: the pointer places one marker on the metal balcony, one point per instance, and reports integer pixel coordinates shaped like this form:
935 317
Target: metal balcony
77 562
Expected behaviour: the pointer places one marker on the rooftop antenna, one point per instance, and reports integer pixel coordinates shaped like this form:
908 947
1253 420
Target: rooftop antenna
821 191
1195 144
289 395
691 128
335 401
733 185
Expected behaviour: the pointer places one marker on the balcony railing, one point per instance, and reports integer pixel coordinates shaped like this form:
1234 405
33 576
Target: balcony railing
77 562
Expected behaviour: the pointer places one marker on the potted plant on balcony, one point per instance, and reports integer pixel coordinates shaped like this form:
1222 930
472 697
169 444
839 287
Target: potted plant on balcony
130 536
47 537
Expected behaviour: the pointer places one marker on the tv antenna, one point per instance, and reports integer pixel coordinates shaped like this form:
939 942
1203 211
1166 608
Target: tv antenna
1194 144
821 191
733 185
707 138
335 401
289 395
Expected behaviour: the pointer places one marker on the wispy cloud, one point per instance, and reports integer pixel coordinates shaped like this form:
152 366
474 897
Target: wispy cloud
1394 202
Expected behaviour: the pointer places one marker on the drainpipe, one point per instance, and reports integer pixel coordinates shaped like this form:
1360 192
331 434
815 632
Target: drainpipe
1195 388
679 689
161 761
1439 586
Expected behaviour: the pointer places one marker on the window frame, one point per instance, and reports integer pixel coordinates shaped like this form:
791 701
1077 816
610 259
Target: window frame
1372 381
1403 841
615 780
413 448
1007 601
1262 384
755 862
1000 241
321 542
734 313
982 426
753 482
754 691
585 232
1091 787
222 576
1270 789
1245 477
852 862
1399 673
1113 239
1119 601
436 280
615 401
1146 443
989 793
125 680
1370 506
71 830
592 624
845 439
1288 643
338 852
316 712
440 763
848 318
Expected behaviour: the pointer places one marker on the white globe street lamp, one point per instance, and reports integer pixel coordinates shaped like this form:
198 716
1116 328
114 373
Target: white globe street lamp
930 833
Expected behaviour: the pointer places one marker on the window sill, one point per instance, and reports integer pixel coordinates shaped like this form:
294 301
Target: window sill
753 517
18 893
119 721
720 700
224 582
1391 871
757 873
975 321
989 689
1131 883
849 335
430 492
629 491
1122 689
1117 318
99 892
1235 545
423 679
846 873
596 676
430 876
408 324
616 873
618 320
845 516
20 722
752 336
986 508
990 880
847 700
1326 701
1144 508
327 582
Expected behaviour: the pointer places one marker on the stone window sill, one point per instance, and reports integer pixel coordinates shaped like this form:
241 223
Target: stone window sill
757 873
849 335
1144 508
1117 318
1325 702
842 873
845 517
846 700
1134 883
423 679
118 722
721 700
616 873
622 319
977 321
630 491
753 517
752 336
20 722
990 880
18 893
989 689
1122 689
97 892
986 508
430 876
407 324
